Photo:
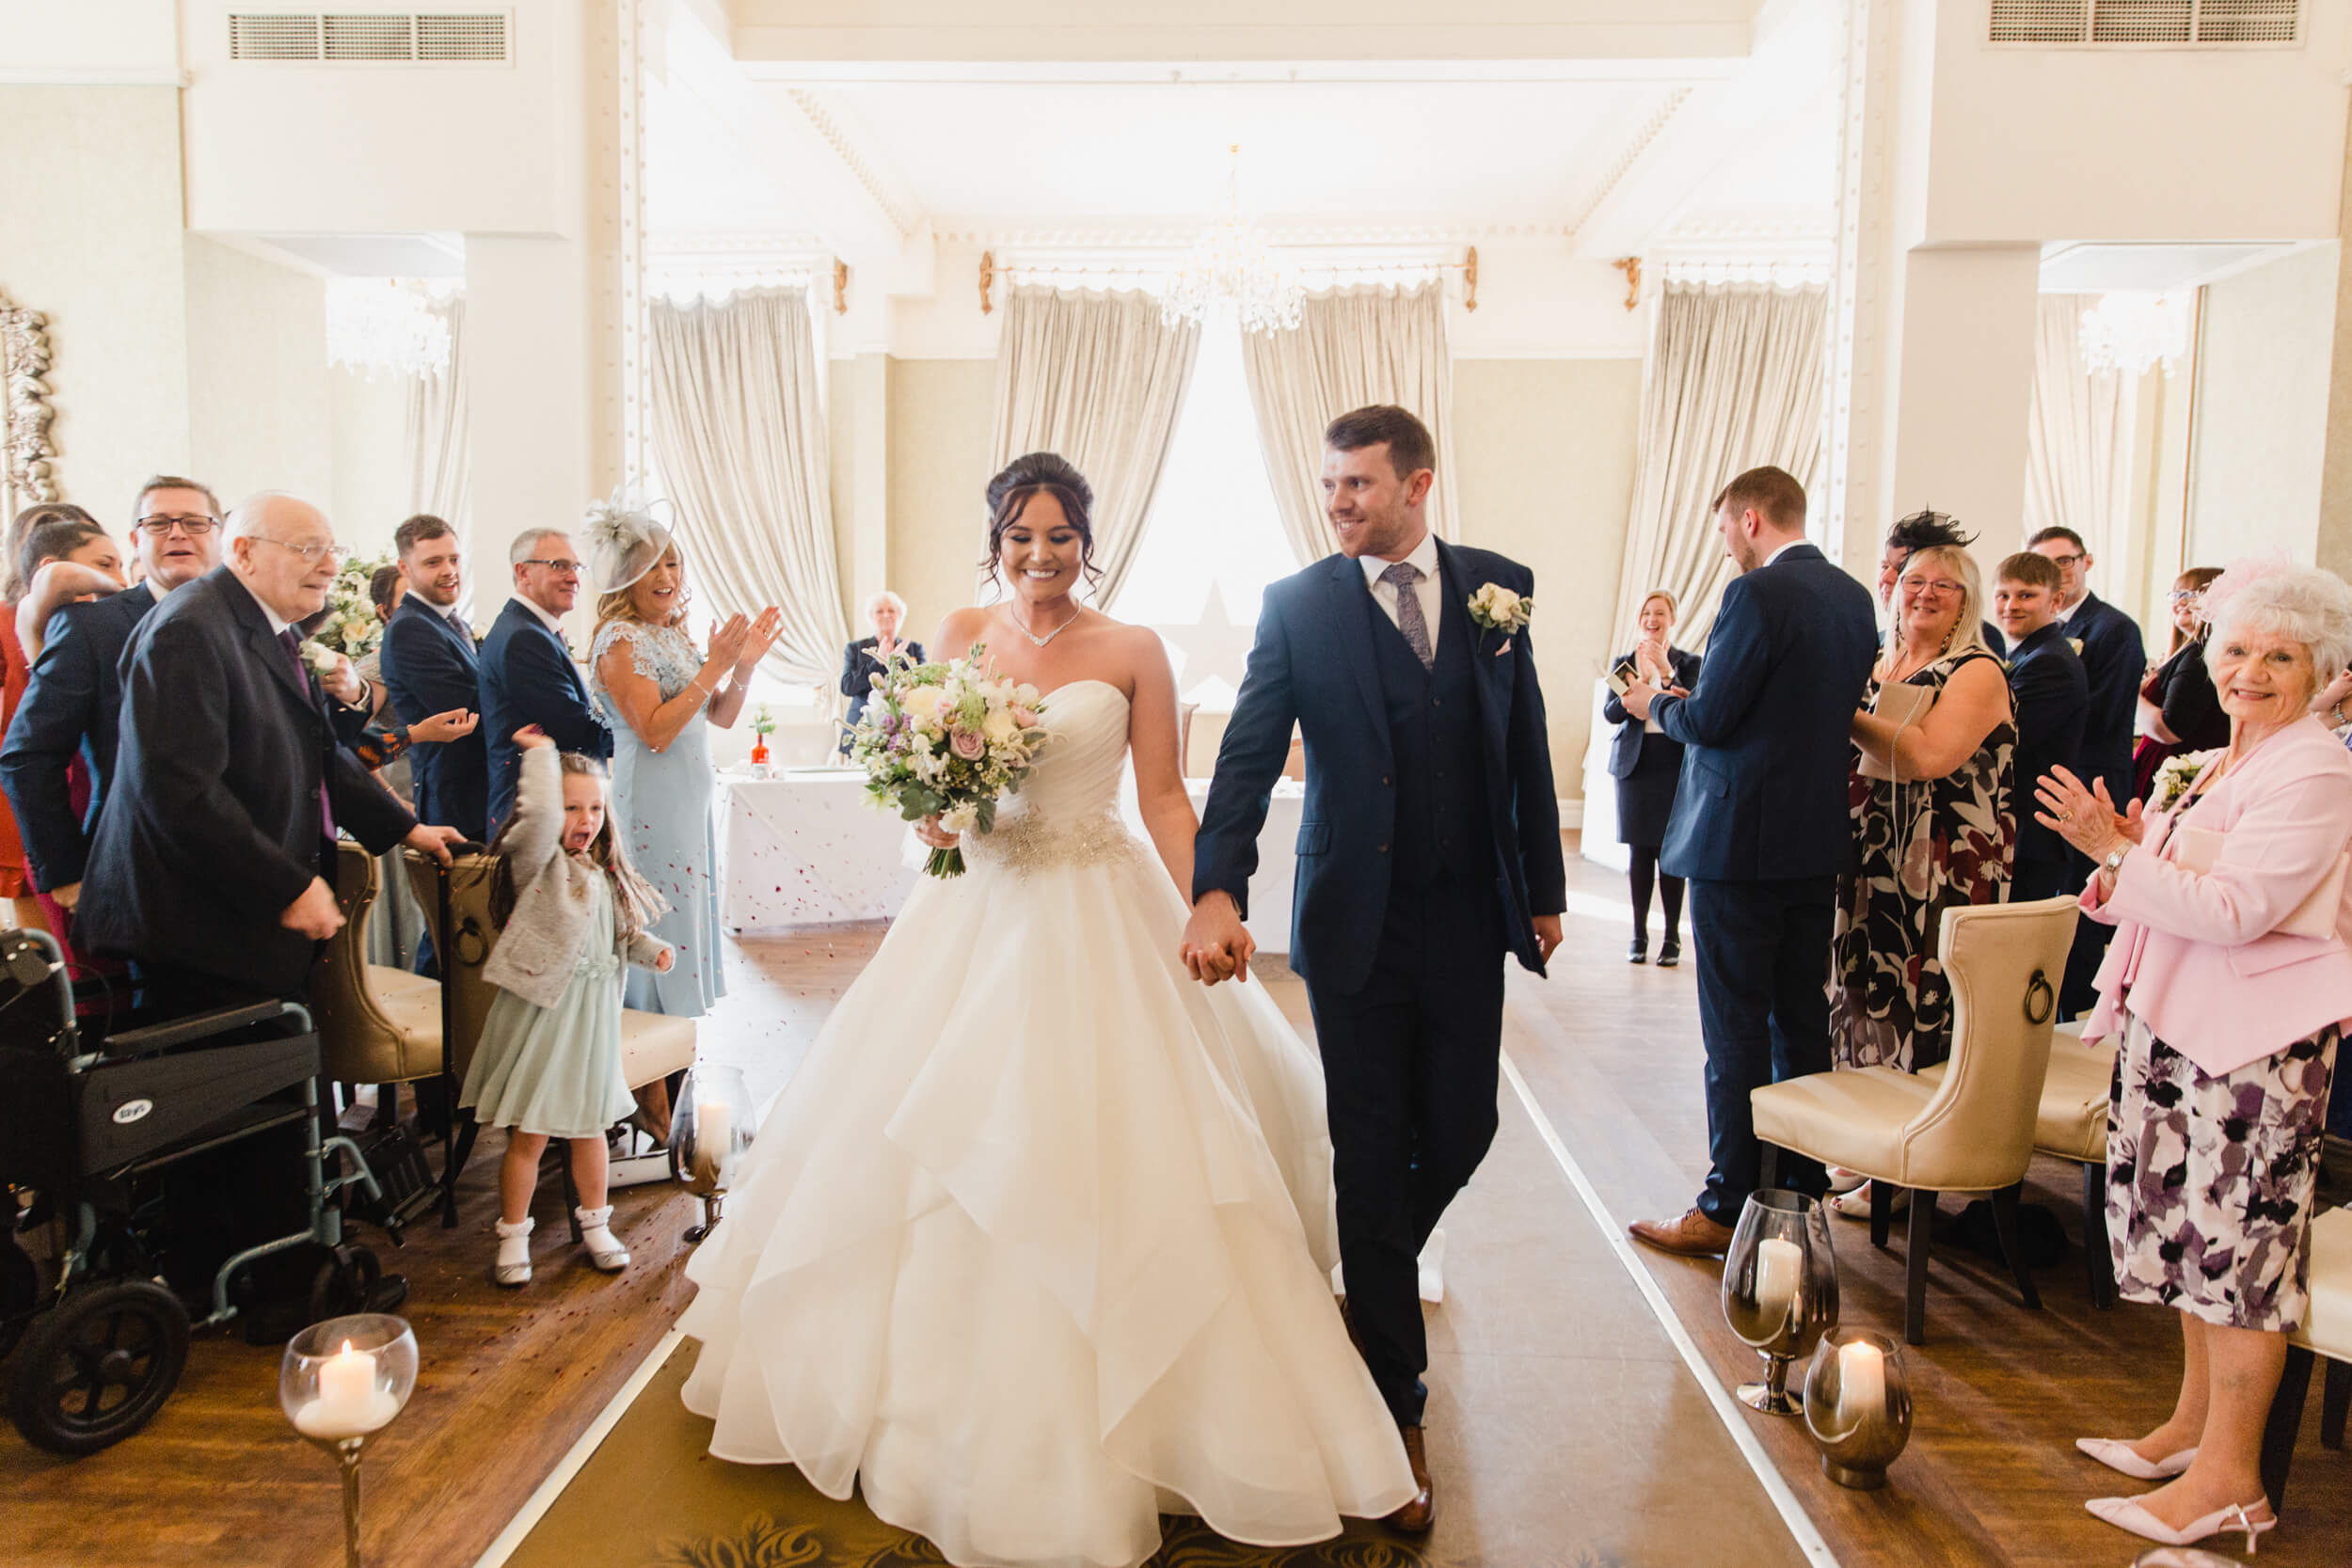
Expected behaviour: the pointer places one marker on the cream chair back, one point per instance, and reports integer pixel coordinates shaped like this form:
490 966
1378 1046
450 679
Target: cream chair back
2004 963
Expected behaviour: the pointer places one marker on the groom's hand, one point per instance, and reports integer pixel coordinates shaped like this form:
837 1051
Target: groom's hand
1547 935
1216 944
1637 699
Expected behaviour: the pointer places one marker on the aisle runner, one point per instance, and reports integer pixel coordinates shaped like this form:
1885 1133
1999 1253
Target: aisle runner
1565 1431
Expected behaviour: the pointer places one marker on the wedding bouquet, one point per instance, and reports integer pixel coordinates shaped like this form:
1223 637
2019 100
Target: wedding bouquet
352 627
946 740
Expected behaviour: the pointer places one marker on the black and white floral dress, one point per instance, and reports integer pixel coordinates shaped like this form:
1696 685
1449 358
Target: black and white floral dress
1925 846
2210 1178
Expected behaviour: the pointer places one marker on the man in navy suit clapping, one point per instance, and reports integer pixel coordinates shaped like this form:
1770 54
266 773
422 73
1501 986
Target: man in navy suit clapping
528 674
1760 827
432 666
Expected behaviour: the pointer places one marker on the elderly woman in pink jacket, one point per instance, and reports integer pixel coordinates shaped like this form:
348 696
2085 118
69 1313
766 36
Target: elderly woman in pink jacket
2224 993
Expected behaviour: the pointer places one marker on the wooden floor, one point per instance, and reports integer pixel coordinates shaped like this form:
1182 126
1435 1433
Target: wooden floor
1610 1055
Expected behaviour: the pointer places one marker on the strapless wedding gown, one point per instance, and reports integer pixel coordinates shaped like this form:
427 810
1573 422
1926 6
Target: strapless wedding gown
1036 1245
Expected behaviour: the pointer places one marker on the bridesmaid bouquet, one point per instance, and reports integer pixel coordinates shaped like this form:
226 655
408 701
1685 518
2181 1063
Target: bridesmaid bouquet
946 740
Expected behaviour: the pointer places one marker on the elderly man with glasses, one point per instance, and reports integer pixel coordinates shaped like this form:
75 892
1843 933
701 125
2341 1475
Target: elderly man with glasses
528 674
2115 658
210 866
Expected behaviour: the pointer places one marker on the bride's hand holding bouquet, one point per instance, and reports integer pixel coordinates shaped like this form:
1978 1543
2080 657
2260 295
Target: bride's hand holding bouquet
942 743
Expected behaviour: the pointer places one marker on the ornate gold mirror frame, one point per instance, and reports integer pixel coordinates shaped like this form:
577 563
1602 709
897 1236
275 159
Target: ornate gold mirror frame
27 469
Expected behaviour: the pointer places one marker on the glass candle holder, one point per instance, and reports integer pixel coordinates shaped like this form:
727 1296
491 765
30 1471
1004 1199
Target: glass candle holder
710 1131
1857 1405
1780 1290
341 1383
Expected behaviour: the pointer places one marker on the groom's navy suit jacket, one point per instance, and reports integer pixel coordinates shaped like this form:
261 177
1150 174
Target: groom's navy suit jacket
528 678
1768 731
430 667
1313 665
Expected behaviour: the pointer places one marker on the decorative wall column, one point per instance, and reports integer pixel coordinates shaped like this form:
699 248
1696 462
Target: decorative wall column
2334 550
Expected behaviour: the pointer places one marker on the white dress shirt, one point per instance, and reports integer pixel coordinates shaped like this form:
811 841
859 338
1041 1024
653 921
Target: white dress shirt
278 624
1785 550
554 622
1429 590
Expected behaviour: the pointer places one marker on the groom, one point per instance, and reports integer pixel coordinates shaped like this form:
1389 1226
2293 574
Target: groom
1430 849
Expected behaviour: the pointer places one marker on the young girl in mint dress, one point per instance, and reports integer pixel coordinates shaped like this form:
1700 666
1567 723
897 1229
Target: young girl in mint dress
571 913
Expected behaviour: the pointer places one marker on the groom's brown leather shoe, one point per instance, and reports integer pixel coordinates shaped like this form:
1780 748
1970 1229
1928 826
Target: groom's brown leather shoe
1416 1517
1693 1235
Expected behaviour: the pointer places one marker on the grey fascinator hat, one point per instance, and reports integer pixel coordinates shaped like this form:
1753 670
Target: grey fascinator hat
624 539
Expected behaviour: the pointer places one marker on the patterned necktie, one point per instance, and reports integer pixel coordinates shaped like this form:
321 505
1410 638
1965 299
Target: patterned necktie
1404 577
457 624
292 642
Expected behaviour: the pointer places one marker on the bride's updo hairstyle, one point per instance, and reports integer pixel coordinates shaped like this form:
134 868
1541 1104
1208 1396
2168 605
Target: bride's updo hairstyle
1026 476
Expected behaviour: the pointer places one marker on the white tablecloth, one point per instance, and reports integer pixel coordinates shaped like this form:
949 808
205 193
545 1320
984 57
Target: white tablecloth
805 849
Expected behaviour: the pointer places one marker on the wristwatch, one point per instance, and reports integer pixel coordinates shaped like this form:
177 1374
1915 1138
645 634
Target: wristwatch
2114 861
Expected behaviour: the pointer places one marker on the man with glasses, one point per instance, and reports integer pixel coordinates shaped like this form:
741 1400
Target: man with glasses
2115 658
210 866
73 702
528 674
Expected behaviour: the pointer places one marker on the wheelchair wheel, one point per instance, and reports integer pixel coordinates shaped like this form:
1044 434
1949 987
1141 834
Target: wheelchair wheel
345 1280
20 1292
97 1367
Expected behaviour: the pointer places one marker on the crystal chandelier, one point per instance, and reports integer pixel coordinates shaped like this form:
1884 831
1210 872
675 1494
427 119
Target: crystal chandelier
385 323
2133 333
1230 263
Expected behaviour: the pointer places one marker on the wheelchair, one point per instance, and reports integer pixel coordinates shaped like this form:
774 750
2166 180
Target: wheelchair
91 1135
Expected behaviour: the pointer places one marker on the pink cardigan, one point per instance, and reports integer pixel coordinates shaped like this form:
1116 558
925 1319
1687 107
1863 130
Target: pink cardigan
2195 957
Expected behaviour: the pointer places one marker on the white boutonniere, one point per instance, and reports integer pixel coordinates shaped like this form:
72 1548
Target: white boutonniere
320 657
2174 780
1497 608
2076 643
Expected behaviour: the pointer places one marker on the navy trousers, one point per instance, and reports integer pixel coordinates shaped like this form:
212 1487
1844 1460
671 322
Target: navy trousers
1412 1065
1763 973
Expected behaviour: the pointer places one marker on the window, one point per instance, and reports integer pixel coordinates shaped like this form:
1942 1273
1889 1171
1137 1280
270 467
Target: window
1214 540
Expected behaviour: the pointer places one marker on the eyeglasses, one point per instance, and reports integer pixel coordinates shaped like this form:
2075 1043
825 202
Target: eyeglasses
561 568
1932 585
2186 595
308 552
161 527
2075 560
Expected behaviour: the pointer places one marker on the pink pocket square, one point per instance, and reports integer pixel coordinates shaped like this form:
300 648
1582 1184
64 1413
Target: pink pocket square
1504 649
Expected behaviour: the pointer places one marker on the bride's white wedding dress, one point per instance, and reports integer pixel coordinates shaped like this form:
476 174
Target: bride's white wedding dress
1036 1243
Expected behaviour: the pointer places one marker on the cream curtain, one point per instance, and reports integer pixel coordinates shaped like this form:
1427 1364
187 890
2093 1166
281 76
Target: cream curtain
2077 434
1736 379
1352 347
740 437
1100 379
439 472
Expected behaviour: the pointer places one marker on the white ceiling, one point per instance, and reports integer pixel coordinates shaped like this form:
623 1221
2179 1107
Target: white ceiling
1010 155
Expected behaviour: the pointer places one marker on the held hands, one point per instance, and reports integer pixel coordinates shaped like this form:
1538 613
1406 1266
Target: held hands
442 727
2085 818
315 914
1217 945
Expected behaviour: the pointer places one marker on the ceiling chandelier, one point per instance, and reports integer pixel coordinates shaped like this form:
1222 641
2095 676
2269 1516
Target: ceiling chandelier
2135 333
386 324
1230 263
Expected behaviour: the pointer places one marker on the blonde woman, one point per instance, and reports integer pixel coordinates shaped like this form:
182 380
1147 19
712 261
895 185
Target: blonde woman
1941 832
1647 765
658 691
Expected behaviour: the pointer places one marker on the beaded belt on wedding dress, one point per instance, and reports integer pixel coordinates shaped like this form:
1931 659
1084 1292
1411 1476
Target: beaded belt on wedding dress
1028 843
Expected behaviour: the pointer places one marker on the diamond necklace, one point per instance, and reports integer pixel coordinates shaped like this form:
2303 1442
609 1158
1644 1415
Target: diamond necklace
1034 638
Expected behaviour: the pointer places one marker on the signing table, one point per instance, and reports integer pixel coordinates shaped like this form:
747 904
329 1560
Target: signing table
805 848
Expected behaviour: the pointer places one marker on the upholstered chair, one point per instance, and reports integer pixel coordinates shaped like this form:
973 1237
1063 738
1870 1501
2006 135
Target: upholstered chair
1969 1129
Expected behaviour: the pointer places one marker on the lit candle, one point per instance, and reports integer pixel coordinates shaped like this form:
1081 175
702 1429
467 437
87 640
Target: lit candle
348 1404
712 1140
1861 1383
1779 1265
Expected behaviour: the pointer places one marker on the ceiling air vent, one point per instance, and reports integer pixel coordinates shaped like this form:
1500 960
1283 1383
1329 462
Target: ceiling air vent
373 37
2146 23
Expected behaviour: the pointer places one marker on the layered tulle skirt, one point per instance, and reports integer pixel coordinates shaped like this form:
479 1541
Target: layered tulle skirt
1036 1245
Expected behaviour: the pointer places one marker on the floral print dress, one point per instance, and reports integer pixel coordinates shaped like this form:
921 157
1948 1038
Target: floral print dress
1925 846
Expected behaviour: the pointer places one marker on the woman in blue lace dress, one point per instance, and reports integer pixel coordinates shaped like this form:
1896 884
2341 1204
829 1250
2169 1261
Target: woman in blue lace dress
658 690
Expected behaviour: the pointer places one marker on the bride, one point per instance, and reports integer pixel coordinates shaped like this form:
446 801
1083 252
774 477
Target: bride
1037 1243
